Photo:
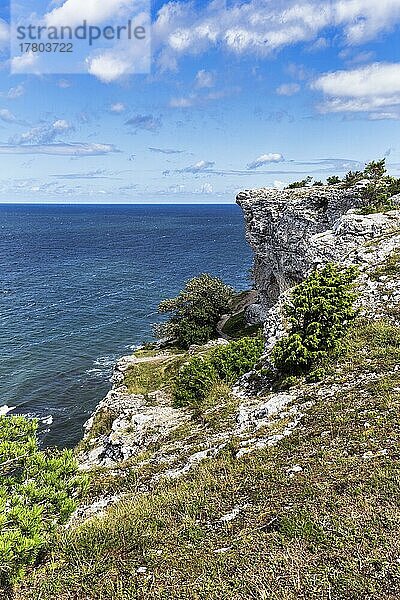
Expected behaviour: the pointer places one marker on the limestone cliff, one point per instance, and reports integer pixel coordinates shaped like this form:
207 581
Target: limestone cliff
291 231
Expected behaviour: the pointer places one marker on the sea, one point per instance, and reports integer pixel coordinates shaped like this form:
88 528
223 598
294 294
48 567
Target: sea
79 288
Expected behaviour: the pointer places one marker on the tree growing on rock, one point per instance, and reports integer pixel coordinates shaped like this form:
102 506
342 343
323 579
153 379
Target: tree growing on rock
196 311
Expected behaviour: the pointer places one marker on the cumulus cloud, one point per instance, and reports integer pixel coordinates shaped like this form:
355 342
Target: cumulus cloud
363 20
74 12
265 159
108 67
262 27
368 88
144 122
202 166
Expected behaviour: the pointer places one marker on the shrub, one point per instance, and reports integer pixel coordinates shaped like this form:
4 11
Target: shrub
353 177
333 180
320 312
196 311
300 184
225 364
379 189
37 491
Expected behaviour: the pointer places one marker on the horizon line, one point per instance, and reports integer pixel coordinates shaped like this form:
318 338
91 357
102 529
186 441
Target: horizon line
118 203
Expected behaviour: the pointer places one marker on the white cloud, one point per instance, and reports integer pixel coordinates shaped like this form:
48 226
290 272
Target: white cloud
204 79
261 27
118 108
108 68
74 149
74 12
7 116
200 167
363 20
62 125
15 92
44 134
384 116
24 63
145 122
288 89
265 159
182 102
367 88
377 79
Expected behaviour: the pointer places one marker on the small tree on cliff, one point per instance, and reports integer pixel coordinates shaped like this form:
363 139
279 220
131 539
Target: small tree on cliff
379 187
196 310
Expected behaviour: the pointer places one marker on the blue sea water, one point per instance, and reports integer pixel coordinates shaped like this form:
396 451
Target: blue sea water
79 287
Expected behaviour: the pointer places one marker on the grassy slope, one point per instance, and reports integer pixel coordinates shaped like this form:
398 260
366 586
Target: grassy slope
328 531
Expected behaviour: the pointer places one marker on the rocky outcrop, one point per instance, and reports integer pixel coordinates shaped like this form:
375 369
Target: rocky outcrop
124 424
288 230
294 231
291 232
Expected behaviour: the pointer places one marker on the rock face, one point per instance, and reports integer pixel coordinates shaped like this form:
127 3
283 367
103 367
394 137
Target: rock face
291 231
123 424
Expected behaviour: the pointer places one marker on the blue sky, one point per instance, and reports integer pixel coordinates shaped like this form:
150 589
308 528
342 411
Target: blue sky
240 95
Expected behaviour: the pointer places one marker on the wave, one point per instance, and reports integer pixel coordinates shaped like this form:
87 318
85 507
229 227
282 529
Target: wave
4 410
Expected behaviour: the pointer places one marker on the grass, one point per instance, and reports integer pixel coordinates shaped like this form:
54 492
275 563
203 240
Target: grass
328 531
145 377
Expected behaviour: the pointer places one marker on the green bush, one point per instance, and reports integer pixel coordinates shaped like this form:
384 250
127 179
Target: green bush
379 189
333 180
37 491
196 311
300 184
320 312
224 364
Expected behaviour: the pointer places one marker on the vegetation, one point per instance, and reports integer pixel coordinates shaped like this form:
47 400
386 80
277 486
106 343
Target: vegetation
237 327
320 311
377 191
225 364
196 311
329 530
380 188
300 184
37 491
155 374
